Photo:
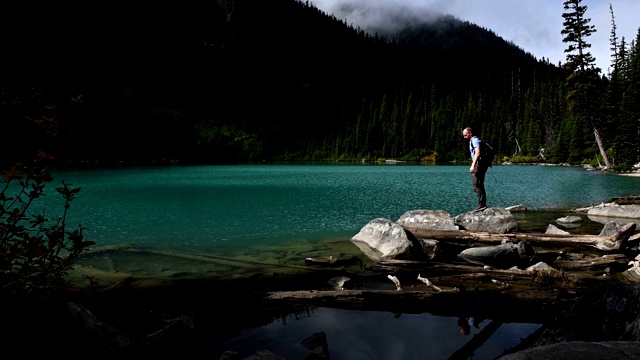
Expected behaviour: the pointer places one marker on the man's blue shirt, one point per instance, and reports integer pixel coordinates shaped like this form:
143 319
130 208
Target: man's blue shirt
473 144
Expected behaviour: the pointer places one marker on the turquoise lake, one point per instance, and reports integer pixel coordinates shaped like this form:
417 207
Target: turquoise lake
241 220
229 208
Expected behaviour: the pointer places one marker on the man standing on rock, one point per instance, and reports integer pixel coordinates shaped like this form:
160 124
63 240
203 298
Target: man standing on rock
478 168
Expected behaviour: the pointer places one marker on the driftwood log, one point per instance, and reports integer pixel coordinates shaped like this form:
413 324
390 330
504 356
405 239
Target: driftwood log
501 294
616 242
491 293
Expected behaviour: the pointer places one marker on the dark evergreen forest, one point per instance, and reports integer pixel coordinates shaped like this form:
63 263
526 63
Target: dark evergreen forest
268 80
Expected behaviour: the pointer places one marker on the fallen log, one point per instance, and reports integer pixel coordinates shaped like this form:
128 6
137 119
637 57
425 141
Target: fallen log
566 274
569 262
451 287
613 243
587 208
487 303
616 262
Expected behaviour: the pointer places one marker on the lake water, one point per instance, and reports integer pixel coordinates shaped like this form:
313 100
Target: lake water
229 208
241 220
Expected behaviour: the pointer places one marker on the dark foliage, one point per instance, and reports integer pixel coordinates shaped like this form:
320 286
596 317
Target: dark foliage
37 247
255 80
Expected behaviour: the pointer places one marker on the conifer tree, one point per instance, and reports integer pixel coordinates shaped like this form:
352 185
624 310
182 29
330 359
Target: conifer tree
615 56
631 98
583 79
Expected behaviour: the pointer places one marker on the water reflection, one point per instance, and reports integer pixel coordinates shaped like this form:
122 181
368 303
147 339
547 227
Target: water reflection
370 335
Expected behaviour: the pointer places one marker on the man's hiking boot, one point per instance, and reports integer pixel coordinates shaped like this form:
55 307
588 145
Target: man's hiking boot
481 208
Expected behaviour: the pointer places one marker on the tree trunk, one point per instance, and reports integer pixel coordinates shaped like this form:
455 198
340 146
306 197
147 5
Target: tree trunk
615 243
607 164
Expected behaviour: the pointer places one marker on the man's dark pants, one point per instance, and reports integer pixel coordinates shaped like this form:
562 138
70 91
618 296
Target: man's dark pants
477 181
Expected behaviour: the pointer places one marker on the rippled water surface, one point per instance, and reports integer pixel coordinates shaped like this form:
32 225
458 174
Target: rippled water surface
222 208
242 220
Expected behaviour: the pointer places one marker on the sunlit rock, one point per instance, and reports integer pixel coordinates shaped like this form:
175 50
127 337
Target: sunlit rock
619 211
552 229
429 219
493 220
539 266
569 219
383 239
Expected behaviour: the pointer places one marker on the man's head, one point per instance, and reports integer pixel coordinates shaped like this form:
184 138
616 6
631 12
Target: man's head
467 133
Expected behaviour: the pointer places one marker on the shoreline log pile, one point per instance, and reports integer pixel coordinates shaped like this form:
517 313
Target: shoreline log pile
559 269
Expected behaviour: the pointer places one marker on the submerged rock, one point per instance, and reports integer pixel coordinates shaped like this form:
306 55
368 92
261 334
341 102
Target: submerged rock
504 255
569 219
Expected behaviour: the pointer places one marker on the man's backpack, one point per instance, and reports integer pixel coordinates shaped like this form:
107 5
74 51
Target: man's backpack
486 153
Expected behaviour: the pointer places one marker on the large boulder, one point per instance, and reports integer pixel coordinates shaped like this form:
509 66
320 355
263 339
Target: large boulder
493 220
428 219
618 211
383 239
432 220
612 228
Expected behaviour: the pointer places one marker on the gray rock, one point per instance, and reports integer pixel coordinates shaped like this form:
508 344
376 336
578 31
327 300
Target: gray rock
429 247
569 219
606 219
516 208
569 222
539 266
429 219
440 250
619 211
552 229
493 220
609 229
383 239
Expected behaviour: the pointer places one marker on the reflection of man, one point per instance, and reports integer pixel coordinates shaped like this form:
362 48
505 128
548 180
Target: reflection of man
463 323
475 322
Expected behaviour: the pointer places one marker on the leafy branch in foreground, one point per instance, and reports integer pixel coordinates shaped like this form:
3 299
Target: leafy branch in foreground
35 253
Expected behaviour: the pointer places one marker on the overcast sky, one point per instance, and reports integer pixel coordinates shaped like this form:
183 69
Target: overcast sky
533 25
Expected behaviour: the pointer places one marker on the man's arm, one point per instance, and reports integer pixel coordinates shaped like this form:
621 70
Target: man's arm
476 158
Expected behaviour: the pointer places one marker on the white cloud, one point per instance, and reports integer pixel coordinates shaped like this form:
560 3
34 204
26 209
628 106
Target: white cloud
533 25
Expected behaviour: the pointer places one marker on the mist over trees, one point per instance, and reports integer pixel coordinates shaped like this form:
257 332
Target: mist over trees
260 80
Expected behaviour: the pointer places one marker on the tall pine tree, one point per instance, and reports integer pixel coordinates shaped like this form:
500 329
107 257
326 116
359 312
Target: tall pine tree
583 81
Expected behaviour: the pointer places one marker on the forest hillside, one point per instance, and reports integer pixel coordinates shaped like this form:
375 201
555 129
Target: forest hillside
266 80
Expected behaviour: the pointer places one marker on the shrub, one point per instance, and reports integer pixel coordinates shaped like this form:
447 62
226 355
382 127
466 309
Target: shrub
522 159
623 167
35 254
